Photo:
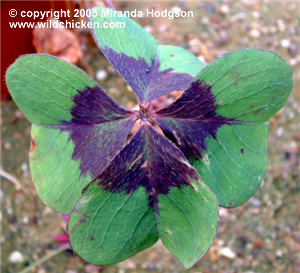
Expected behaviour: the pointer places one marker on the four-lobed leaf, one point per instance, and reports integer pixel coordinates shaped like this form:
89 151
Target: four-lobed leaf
124 197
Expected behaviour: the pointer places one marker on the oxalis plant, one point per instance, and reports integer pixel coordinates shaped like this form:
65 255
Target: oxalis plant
123 197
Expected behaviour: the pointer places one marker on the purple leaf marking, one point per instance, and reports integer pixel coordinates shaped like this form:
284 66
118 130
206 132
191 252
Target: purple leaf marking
94 106
150 160
191 119
146 80
98 128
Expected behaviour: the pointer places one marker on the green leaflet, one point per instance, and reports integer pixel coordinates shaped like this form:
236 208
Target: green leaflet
131 40
43 86
187 222
235 163
55 174
106 228
249 85
179 60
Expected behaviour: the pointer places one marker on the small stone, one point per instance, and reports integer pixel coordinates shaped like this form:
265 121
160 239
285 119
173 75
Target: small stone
16 257
296 236
176 9
89 268
270 257
228 253
205 20
223 213
265 30
293 50
285 43
223 38
255 25
148 28
254 263
255 202
293 62
272 29
153 256
281 25
128 87
71 271
281 234
7 145
294 247
13 119
101 75
194 42
163 28
205 36
24 167
238 16
25 220
131 265
214 20
255 14
279 131
259 243
220 242
213 256
224 9
254 33
18 114
18 135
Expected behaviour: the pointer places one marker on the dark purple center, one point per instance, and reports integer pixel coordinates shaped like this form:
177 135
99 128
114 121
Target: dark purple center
144 114
98 129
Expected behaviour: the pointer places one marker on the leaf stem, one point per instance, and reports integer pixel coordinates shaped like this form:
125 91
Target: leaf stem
14 180
45 258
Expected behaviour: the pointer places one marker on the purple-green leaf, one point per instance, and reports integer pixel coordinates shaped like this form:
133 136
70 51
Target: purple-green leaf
150 70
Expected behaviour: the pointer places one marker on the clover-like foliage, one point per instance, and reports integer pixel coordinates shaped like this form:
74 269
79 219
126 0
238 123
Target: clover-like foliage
124 197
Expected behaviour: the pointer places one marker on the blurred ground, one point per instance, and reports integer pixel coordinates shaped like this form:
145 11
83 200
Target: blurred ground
261 236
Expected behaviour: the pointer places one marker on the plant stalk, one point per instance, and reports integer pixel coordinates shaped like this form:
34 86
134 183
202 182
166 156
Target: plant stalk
45 258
